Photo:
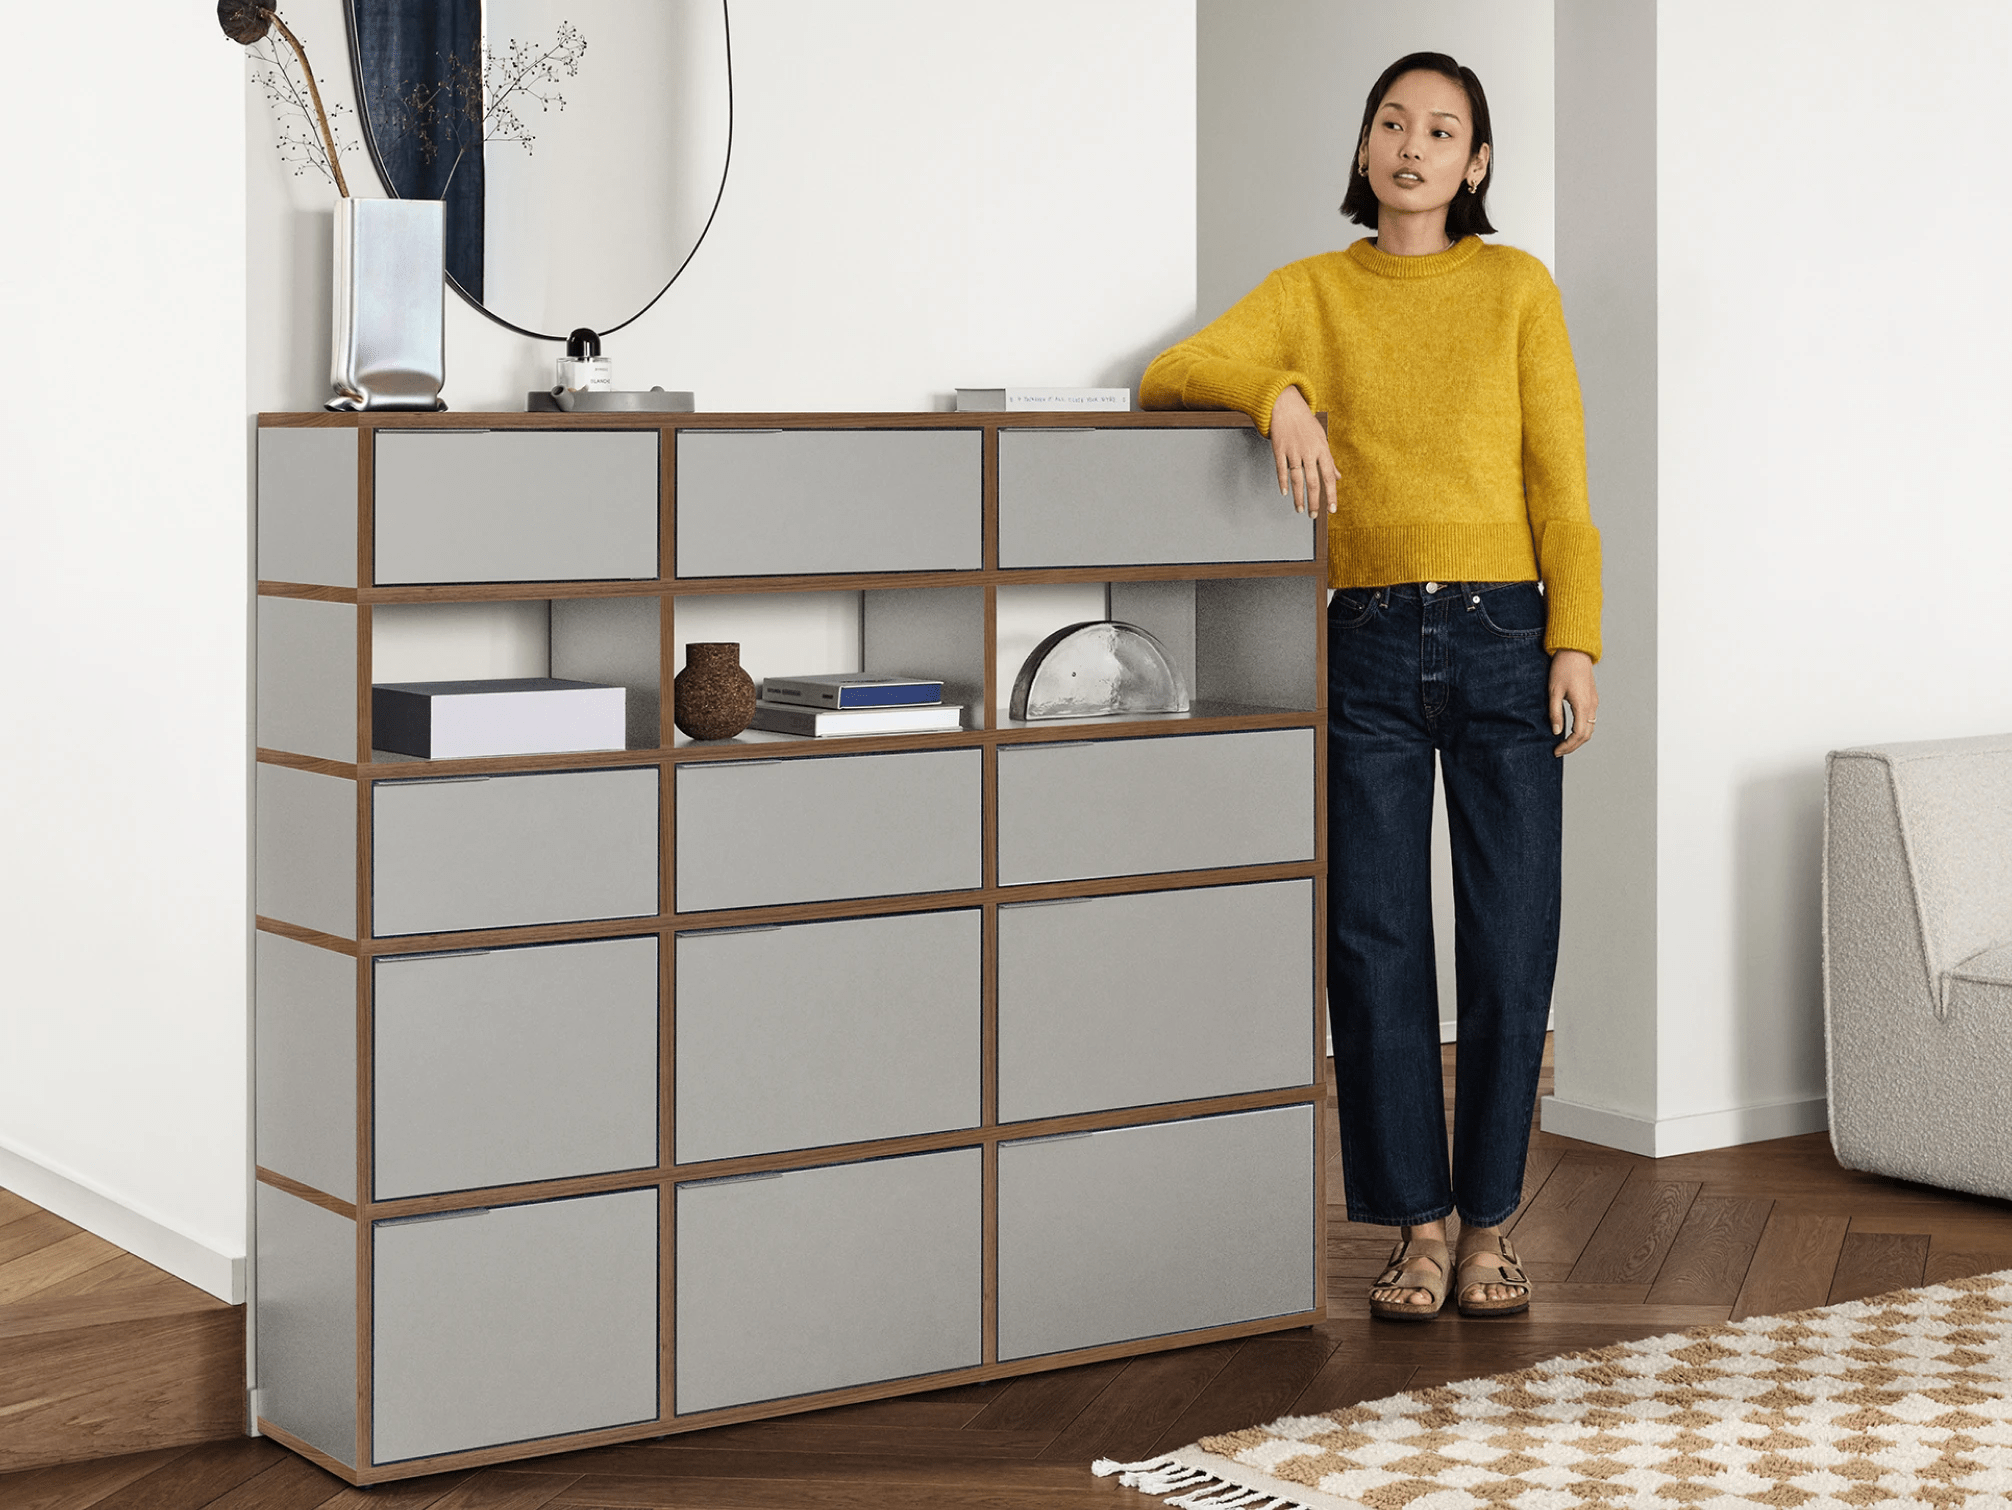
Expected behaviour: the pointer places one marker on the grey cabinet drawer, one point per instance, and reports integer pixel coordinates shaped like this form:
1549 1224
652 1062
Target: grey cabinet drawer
809 829
1143 1231
513 1323
1117 807
515 505
503 851
821 1278
1141 497
794 502
857 1029
509 1065
1158 996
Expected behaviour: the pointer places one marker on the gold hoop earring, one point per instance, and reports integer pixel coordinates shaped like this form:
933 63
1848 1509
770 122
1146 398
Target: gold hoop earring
1473 186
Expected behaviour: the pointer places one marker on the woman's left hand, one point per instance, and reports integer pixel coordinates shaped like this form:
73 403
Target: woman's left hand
1572 682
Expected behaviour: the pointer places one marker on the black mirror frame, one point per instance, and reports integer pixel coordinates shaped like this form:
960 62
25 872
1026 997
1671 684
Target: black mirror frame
384 177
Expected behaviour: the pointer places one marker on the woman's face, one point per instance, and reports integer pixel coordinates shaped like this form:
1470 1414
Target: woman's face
1416 155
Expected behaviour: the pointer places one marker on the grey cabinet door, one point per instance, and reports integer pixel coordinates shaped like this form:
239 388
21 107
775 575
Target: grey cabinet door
513 1323
820 1278
515 505
1117 807
808 829
812 502
857 1029
1125 497
1143 1231
1153 997
502 851
509 1065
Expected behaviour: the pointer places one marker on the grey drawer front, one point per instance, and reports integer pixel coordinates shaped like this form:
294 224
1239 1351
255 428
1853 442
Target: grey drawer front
791 502
754 834
514 1064
1120 807
1161 996
864 1028
504 851
515 505
821 1278
513 1323
1138 497
1143 1231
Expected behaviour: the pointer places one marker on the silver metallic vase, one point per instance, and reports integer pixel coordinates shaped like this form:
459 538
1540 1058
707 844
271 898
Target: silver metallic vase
390 347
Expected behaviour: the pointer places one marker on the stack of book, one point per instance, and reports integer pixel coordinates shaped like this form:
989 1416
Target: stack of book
854 703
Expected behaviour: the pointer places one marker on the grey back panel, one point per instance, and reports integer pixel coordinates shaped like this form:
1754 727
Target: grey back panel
307 849
512 1323
1142 1231
937 632
304 1293
820 1278
511 1065
791 502
307 677
304 1031
1156 996
307 506
1141 496
857 1029
614 641
1118 807
756 833
503 851
515 505
1260 639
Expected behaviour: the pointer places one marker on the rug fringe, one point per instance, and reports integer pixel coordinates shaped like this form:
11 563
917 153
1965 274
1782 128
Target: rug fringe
1203 1490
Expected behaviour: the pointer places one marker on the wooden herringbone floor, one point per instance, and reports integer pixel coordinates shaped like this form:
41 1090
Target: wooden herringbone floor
1621 1246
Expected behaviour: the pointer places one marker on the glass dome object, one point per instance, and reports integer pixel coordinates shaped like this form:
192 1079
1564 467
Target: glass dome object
1098 667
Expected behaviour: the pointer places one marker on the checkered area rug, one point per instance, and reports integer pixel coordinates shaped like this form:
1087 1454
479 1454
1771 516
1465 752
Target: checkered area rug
1903 1399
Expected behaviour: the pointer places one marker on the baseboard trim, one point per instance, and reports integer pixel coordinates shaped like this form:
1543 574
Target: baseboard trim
1662 1138
76 1200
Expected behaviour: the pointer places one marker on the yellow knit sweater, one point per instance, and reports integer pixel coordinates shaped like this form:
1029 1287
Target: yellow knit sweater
1453 415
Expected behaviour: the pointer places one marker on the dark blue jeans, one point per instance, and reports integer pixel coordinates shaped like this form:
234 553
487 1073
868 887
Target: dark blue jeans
1458 670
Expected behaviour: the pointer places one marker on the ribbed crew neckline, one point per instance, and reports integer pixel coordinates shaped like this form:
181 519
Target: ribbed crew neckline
1366 256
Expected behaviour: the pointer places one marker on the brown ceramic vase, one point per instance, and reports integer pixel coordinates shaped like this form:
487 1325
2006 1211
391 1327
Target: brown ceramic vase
712 697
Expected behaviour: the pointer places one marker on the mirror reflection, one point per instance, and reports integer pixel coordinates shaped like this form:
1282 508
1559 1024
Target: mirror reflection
580 145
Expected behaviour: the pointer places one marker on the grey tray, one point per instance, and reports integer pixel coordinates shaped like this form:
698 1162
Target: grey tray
616 401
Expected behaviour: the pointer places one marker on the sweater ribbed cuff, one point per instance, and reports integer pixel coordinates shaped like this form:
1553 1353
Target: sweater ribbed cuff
1221 383
1569 556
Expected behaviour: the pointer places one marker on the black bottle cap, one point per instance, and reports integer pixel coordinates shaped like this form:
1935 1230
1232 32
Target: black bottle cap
583 343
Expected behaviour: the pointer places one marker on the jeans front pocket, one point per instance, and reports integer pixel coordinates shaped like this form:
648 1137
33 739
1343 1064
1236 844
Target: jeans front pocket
1350 607
1514 611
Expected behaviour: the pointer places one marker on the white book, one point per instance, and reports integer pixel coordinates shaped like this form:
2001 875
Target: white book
535 715
994 400
822 723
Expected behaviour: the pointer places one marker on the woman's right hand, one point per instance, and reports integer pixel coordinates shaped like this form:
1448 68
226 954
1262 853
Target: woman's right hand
1299 447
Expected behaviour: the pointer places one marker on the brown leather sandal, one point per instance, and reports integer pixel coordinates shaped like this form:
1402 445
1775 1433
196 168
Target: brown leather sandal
1396 1276
1510 1272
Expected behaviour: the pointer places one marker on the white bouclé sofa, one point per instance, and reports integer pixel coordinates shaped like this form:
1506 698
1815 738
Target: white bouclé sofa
1917 961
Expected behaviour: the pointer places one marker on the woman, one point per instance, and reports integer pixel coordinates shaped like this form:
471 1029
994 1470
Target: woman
1465 622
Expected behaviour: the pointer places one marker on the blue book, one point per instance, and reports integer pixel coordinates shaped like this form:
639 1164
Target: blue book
850 689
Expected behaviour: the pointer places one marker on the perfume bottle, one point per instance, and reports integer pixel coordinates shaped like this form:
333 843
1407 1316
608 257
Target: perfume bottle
583 369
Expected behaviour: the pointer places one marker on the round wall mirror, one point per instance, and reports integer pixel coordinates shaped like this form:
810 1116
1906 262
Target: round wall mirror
580 145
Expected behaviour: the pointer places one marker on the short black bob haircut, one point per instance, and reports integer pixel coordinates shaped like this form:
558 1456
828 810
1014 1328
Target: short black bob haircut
1468 214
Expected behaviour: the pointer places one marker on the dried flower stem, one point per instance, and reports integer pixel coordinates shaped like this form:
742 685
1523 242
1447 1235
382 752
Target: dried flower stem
327 136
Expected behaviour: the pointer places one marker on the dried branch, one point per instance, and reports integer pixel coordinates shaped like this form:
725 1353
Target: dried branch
248 23
300 144
476 101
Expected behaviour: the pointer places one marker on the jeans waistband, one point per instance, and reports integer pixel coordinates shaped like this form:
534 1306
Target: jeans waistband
1433 592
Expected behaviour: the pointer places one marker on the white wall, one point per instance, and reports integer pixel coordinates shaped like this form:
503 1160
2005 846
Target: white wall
122 590
1606 1004
922 197
1835 376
